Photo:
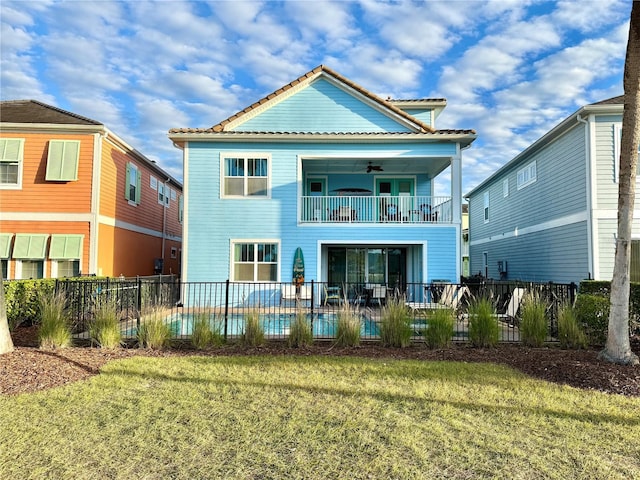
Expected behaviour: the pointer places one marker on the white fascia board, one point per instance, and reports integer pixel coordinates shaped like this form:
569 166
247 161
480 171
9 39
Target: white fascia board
50 128
463 139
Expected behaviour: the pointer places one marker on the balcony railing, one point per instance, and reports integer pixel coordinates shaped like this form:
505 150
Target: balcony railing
376 210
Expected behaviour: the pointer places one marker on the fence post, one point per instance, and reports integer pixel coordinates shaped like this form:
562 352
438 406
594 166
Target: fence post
312 299
138 304
226 309
572 292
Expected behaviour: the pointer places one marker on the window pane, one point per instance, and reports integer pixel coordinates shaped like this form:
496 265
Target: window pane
68 268
257 186
234 167
8 173
243 272
32 269
5 268
234 186
267 272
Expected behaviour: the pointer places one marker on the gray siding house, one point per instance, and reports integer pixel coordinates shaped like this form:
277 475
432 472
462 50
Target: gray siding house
550 214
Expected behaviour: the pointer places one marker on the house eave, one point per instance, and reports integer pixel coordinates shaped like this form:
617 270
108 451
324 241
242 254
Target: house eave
9 127
253 137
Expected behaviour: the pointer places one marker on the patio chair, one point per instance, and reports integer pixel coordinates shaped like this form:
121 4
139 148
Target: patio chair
331 294
512 307
450 298
378 293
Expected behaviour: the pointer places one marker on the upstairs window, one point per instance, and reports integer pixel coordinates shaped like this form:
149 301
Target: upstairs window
486 207
62 160
245 176
11 153
163 194
527 175
133 184
505 188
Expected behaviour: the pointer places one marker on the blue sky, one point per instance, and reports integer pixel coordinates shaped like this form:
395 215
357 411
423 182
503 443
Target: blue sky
509 69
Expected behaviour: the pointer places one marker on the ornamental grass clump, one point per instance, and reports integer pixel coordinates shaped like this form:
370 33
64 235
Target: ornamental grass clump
348 326
253 335
206 331
55 331
439 328
300 333
533 320
154 333
570 333
104 329
483 323
395 324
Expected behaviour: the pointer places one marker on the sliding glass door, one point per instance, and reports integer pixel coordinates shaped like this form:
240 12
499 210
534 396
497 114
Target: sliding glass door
362 265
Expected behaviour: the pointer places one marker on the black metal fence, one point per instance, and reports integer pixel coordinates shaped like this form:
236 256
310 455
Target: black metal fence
226 305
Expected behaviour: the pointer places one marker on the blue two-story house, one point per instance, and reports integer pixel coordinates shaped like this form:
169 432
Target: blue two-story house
328 167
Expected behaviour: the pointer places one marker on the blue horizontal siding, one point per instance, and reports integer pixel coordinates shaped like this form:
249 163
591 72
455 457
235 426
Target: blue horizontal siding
321 107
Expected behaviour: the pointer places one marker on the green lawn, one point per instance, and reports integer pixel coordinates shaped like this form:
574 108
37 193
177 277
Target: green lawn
316 418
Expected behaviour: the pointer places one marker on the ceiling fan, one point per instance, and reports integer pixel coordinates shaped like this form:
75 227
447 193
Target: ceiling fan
372 168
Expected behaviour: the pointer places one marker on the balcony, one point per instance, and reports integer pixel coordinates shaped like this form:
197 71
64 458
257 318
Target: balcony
376 209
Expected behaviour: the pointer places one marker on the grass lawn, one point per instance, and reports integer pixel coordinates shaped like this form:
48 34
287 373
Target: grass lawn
316 418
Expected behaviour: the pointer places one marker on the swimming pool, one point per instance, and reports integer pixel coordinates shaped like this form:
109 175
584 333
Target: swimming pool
276 325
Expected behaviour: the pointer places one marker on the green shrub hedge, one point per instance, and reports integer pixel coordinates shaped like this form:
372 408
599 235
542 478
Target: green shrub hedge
592 309
21 298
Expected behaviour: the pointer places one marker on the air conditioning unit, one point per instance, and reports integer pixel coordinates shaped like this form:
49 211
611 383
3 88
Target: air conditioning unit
502 266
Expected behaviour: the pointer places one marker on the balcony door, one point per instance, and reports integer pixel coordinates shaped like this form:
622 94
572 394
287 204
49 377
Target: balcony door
400 205
316 188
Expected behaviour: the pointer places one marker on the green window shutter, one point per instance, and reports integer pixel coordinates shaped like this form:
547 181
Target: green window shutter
5 244
11 149
62 162
30 246
127 181
138 186
66 247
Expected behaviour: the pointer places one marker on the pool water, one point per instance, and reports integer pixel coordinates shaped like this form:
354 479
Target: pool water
274 325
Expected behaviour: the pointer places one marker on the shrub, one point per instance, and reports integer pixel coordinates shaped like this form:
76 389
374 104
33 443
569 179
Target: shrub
533 320
253 335
104 329
439 328
22 300
593 314
570 333
348 326
54 329
206 331
300 333
395 324
483 323
154 333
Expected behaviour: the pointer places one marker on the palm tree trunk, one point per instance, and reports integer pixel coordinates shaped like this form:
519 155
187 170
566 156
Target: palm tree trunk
618 348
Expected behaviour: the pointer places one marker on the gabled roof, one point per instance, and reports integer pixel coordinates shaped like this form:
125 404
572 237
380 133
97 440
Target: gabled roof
390 106
610 105
32 111
307 77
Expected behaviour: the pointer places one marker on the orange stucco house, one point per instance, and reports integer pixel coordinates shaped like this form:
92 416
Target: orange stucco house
75 199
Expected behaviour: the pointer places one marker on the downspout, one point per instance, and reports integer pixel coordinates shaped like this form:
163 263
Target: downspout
164 221
589 192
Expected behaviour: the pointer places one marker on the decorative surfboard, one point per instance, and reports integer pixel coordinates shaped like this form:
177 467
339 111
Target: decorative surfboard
298 267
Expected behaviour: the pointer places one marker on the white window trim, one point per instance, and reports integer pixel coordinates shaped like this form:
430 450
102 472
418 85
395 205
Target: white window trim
174 252
54 265
18 273
485 207
485 264
245 155
133 166
153 182
232 244
16 186
505 188
532 178
165 191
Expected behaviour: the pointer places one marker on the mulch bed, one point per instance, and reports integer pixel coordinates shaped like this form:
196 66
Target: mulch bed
29 369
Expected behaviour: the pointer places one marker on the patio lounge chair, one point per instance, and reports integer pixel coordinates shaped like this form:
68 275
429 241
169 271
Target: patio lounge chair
288 293
512 307
332 294
450 298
